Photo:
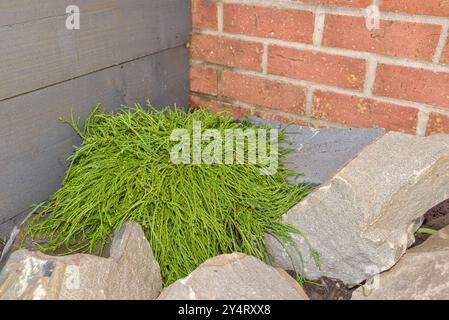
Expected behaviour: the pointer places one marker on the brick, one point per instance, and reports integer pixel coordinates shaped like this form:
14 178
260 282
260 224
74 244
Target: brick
226 51
215 106
445 56
363 113
412 84
203 80
284 118
438 123
423 7
339 3
263 92
269 22
394 38
204 14
317 67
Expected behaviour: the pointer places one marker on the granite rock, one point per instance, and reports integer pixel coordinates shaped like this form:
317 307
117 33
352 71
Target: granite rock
131 272
235 277
363 219
421 274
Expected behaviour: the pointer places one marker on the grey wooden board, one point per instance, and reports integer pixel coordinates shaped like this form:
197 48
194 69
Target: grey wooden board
34 144
42 52
320 153
14 12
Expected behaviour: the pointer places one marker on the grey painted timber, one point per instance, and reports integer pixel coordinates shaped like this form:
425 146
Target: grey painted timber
125 52
35 144
42 52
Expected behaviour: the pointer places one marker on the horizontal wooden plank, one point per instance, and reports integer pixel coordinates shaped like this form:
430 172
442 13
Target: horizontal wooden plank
25 11
8 226
34 143
43 52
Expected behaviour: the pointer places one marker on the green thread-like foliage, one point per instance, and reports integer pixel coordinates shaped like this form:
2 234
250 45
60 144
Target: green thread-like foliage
189 213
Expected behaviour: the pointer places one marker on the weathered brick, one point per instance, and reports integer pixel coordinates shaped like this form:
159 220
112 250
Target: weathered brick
263 92
203 80
394 38
339 3
438 123
269 22
284 118
445 56
226 51
204 14
411 40
215 106
316 67
424 7
358 112
413 84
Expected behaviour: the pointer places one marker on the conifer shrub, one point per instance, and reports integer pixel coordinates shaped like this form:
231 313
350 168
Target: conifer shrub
189 212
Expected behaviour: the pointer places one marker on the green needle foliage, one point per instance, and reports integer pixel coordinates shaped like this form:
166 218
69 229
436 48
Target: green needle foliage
427 231
190 213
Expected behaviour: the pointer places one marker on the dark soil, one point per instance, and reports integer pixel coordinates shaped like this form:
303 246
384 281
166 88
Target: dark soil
326 289
436 218
2 246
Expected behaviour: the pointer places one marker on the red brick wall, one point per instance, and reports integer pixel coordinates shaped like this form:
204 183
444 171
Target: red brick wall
315 62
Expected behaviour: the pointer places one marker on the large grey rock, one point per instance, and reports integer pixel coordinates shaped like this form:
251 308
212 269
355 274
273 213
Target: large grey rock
421 274
17 230
131 272
364 218
235 277
320 153
7 227
8 246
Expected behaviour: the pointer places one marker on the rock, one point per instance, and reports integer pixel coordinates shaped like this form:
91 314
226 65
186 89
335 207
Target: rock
421 274
327 289
235 277
8 246
363 219
320 153
6 227
131 272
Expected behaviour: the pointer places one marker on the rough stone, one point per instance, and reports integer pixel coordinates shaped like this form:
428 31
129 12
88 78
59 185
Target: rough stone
421 274
8 246
235 277
320 153
131 272
363 219
7 227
